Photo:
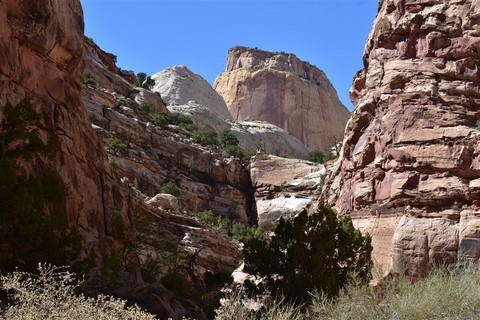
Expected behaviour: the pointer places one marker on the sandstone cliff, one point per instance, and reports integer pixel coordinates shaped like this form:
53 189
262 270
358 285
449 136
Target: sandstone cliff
147 158
188 93
283 186
409 173
283 90
42 59
178 85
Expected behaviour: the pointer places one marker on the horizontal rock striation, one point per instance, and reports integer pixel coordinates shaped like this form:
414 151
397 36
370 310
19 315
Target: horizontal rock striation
283 90
41 57
283 187
410 168
188 93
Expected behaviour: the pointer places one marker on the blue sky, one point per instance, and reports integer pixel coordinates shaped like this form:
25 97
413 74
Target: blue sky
150 35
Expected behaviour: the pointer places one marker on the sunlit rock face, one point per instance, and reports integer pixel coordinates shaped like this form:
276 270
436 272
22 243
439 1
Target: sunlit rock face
410 168
188 93
283 187
281 89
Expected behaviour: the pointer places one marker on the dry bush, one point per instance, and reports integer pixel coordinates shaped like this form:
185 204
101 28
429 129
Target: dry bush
51 295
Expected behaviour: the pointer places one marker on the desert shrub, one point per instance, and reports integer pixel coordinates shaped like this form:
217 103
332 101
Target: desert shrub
242 232
144 108
400 298
51 295
310 252
89 80
227 138
163 119
315 156
160 119
206 138
144 81
113 162
235 307
171 187
235 151
216 222
118 147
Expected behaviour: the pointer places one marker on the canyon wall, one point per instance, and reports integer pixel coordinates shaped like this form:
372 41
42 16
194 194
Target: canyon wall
410 169
281 89
41 59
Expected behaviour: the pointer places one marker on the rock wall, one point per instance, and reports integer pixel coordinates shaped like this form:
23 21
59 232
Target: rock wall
188 93
178 85
410 168
283 187
285 91
41 57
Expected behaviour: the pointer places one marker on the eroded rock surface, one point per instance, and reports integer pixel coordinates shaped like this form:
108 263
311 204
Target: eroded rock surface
285 91
188 93
178 85
410 165
283 186
42 58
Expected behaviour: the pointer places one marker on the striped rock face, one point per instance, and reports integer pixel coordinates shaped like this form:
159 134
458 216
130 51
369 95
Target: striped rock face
281 89
410 169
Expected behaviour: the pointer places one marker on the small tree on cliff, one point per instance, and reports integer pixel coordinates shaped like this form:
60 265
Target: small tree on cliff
308 253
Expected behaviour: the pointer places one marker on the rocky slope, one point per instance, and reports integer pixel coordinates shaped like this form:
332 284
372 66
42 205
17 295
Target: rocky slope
283 90
409 173
188 93
148 158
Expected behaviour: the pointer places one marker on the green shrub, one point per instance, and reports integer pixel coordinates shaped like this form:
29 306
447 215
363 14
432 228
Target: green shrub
216 222
160 119
316 252
116 146
89 80
315 156
171 187
52 295
144 108
235 151
113 162
243 233
227 138
144 81
206 138
163 119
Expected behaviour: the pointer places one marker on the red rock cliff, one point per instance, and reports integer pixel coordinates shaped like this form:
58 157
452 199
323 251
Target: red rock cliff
41 57
410 169
281 89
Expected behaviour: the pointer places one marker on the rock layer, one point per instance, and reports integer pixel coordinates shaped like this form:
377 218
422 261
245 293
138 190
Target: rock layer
283 90
410 166
178 85
283 186
188 93
42 58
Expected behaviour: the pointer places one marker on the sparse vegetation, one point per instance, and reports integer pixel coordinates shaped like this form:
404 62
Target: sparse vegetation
392 298
89 80
52 295
28 232
319 156
144 81
144 108
171 187
206 138
118 147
